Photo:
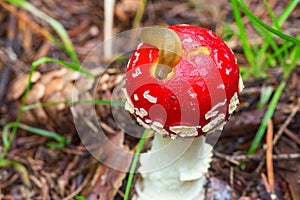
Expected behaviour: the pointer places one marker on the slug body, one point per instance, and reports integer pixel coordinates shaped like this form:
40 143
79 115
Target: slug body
169 45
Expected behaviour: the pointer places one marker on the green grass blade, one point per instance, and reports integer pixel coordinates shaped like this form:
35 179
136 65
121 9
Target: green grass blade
19 167
266 93
134 163
97 101
55 145
264 25
294 58
139 14
16 2
43 132
284 47
46 104
262 58
228 32
269 113
263 51
272 15
59 29
243 36
278 27
245 72
80 198
7 140
64 63
5 133
287 11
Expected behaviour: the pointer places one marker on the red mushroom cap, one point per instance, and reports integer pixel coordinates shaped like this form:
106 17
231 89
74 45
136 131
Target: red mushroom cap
199 94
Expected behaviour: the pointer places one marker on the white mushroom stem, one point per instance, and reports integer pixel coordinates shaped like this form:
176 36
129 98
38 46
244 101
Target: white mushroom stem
174 169
108 27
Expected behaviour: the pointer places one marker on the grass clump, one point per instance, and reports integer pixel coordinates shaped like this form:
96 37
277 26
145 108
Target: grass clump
268 54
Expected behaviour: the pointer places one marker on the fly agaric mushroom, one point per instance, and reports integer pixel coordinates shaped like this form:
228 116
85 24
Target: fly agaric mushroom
182 82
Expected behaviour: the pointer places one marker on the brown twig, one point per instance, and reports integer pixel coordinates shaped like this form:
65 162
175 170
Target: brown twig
235 159
80 188
292 135
229 158
266 183
45 189
9 182
269 155
234 196
286 123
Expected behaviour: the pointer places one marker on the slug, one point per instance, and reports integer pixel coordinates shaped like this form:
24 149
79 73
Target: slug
169 45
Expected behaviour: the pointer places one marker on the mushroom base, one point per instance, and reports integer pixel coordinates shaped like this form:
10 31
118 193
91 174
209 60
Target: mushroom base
174 169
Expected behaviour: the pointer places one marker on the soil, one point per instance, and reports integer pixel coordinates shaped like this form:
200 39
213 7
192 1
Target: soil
63 173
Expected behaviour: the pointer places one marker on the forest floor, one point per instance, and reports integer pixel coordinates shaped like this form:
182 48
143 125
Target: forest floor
44 172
